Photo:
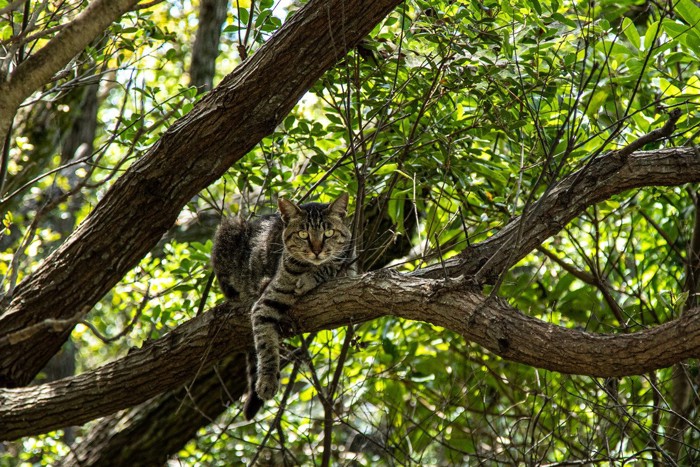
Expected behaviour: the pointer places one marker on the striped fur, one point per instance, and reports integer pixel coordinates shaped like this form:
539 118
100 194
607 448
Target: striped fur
274 260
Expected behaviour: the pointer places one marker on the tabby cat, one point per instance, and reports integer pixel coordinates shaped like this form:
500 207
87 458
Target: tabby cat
274 260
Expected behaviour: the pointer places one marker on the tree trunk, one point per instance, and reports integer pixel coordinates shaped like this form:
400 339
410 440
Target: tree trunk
212 14
150 433
684 398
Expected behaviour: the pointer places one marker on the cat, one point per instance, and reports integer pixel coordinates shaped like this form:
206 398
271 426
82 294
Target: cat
274 260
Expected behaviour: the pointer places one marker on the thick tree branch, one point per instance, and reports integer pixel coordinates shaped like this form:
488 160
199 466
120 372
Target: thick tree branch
184 351
603 178
39 67
164 364
157 429
195 151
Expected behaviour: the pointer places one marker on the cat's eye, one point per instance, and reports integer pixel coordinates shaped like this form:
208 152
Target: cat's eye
329 233
303 234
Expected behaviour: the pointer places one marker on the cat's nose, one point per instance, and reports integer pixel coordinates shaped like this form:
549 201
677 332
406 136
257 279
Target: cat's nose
316 248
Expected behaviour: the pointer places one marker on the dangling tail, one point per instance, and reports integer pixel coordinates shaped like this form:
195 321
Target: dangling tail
253 403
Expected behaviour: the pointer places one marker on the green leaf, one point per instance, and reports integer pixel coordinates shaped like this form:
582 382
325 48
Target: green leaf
680 302
243 15
675 30
689 11
5 31
631 32
389 347
386 169
536 6
233 28
693 41
650 34
156 313
260 20
562 19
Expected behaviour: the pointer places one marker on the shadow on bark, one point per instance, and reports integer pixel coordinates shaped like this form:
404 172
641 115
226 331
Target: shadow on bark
151 432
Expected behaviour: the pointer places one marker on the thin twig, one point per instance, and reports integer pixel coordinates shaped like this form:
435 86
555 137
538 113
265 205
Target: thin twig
207 288
281 409
654 135
11 6
142 6
125 331
55 325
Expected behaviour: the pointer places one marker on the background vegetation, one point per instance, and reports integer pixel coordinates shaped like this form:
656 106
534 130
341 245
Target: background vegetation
446 122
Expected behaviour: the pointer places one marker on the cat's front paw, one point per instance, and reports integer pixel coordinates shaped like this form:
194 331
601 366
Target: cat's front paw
266 386
304 284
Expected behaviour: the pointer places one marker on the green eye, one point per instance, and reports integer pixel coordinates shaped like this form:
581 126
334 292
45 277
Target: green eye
329 233
303 234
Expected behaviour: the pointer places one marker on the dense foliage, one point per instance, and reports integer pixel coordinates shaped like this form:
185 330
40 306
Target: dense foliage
449 120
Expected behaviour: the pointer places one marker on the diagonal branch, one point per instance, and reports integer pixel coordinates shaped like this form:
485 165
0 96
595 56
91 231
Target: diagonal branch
558 206
580 274
145 201
591 279
606 176
168 421
39 67
165 364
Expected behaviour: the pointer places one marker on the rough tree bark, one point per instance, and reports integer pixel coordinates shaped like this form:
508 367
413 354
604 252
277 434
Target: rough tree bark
164 364
151 432
544 344
145 201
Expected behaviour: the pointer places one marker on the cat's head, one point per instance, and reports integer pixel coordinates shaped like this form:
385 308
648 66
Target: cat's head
315 232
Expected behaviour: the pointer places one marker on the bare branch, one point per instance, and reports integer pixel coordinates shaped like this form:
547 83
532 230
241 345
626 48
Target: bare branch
55 325
143 6
654 135
580 274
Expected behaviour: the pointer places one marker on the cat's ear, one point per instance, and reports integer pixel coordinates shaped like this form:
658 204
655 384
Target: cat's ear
287 209
339 207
